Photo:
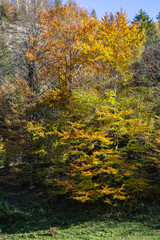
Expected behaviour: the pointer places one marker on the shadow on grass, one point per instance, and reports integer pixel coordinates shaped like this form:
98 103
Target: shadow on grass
62 215
41 219
29 211
24 210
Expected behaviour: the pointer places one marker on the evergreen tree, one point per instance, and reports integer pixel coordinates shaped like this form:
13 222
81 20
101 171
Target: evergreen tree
57 3
93 13
147 24
158 18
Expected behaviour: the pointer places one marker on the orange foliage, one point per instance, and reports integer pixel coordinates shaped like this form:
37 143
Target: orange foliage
56 48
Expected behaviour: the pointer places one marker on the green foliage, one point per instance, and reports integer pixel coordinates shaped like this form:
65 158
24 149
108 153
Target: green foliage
8 215
57 3
93 13
158 18
147 24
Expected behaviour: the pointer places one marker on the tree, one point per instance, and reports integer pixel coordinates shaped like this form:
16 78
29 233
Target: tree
13 120
57 3
158 18
93 13
79 144
19 92
8 10
147 70
101 143
147 24
56 49
6 65
116 45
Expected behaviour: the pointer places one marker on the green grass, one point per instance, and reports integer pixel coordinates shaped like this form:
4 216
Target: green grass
62 223
88 230
30 214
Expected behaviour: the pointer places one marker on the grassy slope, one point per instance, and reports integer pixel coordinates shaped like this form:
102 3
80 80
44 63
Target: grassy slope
30 215
91 230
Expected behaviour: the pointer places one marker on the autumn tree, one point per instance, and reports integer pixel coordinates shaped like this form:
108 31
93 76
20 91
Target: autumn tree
8 10
115 47
55 51
12 121
86 163
72 140
80 105
19 91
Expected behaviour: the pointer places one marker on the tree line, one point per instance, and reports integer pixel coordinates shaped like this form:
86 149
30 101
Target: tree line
79 97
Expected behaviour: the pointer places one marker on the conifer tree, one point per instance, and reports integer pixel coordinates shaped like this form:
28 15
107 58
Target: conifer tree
93 13
147 24
158 18
57 3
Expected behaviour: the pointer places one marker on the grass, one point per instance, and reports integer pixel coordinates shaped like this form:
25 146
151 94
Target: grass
47 229
29 214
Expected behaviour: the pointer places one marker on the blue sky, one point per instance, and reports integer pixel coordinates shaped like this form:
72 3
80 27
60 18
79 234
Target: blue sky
132 7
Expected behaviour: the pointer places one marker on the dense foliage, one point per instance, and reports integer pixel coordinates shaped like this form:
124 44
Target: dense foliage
82 101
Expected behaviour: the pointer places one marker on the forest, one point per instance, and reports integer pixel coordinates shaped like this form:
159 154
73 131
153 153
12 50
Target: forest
79 107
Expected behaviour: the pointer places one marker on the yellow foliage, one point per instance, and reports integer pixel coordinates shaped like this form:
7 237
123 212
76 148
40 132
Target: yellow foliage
117 43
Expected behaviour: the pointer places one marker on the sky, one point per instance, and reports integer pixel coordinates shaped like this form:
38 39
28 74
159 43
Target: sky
132 7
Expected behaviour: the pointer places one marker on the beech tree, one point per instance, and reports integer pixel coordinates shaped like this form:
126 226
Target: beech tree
117 44
79 144
55 51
